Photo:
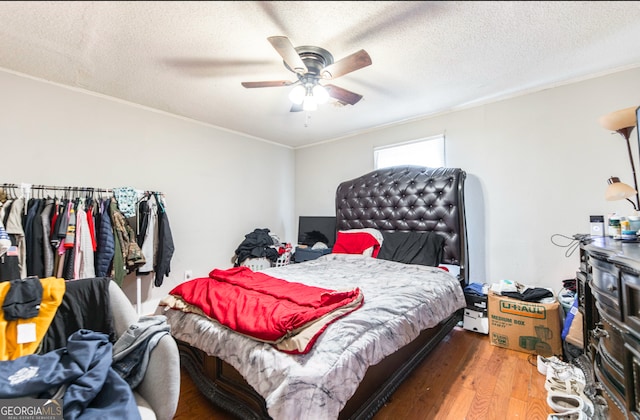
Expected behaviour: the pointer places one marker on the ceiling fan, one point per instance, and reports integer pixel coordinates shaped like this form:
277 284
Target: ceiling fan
311 65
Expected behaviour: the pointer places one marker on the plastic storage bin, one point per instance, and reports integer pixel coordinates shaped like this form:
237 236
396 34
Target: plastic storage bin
258 264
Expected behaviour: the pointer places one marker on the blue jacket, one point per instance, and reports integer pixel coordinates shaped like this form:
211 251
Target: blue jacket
92 389
106 244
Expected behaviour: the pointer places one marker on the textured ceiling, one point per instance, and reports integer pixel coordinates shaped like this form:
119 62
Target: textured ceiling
189 58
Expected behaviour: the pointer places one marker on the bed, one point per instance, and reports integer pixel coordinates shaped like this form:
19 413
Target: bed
349 373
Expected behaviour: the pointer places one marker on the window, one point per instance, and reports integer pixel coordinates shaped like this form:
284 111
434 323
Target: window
424 152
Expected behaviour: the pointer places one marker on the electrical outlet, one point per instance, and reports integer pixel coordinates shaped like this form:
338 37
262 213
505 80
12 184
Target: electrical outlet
188 275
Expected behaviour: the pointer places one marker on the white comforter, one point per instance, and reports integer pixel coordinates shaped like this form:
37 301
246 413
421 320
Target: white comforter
399 301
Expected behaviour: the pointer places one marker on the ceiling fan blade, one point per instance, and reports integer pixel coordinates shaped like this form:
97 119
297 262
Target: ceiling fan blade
273 83
346 65
296 108
343 95
285 48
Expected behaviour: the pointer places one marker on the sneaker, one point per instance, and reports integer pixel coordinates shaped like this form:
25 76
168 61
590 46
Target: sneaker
552 367
568 387
560 373
545 362
563 403
568 415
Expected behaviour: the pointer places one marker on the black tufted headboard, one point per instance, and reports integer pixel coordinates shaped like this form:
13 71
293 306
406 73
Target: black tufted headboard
409 198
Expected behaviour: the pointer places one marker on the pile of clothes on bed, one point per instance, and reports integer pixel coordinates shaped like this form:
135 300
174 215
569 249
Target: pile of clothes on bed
258 244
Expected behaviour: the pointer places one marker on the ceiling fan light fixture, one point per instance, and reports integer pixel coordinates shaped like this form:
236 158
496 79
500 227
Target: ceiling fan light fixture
309 103
297 94
320 94
312 64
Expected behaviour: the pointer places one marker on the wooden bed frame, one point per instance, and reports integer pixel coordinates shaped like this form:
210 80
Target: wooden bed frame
406 198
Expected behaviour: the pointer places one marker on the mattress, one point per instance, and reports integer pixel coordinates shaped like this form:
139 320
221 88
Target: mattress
400 301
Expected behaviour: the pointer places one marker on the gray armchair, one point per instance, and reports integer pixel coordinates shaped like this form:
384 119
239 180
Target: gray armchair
157 395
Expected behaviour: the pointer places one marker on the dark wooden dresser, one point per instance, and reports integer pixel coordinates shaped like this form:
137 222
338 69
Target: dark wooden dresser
608 285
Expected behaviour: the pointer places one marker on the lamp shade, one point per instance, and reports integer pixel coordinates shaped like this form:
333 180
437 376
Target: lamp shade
617 190
309 103
620 119
320 94
297 94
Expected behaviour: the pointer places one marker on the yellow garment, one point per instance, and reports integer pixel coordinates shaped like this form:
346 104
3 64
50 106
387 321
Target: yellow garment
53 289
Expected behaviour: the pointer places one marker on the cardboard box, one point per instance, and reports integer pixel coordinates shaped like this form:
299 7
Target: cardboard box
529 327
475 321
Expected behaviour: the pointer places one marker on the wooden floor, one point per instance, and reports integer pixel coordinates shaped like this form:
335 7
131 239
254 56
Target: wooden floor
464 378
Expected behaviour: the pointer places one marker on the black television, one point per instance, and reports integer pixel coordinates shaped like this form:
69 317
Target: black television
323 224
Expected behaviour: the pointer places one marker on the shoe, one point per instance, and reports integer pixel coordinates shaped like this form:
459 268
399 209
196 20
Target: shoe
563 403
545 362
568 415
570 385
569 394
562 369
566 372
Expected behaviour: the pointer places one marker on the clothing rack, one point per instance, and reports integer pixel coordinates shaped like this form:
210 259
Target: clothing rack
74 192
55 187
26 187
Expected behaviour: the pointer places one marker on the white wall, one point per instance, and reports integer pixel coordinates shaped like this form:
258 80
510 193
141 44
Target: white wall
218 185
536 166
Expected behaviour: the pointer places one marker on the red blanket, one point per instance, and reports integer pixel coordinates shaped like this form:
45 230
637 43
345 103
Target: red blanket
261 306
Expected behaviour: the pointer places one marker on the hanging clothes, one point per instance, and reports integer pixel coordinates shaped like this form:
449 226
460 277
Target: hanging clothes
106 244
9 261
13 226
5 241
128 255
148 210
127 198
67 243
165 244
72 237
33 238
58 233
83 266
47 250
90 212
61 223
70 234
119 268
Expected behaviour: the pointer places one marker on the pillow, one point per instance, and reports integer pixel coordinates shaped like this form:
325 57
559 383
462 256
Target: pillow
371 231
365 242
454 270
422 248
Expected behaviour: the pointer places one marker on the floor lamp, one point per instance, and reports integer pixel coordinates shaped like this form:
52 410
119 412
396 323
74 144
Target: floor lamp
623 122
